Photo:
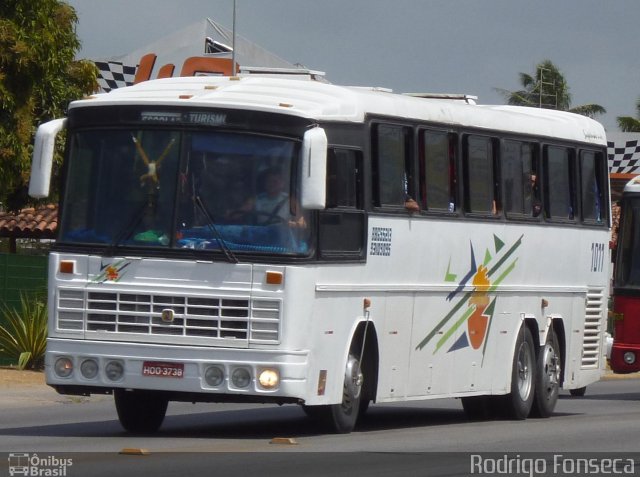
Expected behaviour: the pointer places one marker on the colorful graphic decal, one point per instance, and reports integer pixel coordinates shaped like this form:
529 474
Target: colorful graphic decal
480 305
111 272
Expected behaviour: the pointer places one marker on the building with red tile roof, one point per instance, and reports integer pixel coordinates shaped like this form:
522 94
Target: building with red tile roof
35 222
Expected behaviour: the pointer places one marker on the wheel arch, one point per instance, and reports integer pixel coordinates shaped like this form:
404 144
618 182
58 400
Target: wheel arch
531 323
557 326
371 355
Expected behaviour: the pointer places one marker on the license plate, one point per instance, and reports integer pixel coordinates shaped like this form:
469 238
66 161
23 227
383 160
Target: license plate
162 370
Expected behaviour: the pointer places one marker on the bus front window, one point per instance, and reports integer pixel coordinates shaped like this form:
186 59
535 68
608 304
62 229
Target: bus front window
628 260
240 189
184 190
120 188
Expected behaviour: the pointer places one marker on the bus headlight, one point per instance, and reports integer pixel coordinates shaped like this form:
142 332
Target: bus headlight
89 368
114 370
63 367
269 378
214 376
629 357
241 378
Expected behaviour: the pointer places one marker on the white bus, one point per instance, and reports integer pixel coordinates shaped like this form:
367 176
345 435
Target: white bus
283 240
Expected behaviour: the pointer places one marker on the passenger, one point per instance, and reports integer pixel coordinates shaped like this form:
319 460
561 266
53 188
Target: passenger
532 198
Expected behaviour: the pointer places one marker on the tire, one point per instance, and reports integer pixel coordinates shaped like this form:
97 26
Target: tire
364 405
341 418
579 392
519 401
140 412
548 372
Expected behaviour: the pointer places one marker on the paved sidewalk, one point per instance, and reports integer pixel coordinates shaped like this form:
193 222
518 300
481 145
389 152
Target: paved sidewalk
24 388
20 389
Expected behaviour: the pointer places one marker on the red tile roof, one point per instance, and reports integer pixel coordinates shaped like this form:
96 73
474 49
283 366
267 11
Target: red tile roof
40 222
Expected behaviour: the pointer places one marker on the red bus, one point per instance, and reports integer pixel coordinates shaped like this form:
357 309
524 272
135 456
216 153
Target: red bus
625 352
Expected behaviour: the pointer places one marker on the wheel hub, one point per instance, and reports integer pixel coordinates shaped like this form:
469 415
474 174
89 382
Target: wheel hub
353 378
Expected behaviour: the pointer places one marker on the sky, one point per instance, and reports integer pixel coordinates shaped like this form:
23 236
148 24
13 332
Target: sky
476 47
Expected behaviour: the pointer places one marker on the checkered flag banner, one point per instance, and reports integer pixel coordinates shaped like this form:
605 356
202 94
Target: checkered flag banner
114 74
624 159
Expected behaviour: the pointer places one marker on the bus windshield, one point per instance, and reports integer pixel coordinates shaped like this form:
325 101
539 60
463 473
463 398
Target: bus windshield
628 259
176 189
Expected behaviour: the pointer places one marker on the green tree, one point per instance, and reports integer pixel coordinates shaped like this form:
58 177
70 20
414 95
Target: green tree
38 78
628 123
548 88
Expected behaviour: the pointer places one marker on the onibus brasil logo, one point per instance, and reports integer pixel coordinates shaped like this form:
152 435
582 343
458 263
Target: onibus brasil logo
38 466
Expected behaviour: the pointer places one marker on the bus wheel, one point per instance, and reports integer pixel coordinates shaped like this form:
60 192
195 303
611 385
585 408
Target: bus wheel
140 411
520 399
578 392
547 378
343 416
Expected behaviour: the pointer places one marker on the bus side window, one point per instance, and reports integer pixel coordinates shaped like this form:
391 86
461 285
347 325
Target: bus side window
520 181
437 171
591 186
344 182
393 170
481 191
342 224
559 184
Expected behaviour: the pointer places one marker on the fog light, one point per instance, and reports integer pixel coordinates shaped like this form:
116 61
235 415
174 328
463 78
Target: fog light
214 376
241 378
114 370
269 378
629 357
63 367
89 368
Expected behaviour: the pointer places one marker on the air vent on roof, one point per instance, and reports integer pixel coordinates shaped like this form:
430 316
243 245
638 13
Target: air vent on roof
293 73
213 46
467 98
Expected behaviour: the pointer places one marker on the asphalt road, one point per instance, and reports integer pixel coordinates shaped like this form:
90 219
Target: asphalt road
416 438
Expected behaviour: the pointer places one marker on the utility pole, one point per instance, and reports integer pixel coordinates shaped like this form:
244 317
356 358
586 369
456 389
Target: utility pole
541 84
233 42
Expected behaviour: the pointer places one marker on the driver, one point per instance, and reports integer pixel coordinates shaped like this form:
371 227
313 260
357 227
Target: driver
273 204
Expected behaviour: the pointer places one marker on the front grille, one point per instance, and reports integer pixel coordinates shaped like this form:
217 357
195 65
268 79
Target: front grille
192 317
593 320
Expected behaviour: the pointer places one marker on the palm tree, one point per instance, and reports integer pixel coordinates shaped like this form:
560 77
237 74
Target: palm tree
629 124
548 88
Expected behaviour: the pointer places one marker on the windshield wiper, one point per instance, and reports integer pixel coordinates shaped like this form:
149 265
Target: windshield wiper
128 229
223 245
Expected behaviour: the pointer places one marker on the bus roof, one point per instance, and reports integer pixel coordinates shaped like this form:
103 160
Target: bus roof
633 186
328 102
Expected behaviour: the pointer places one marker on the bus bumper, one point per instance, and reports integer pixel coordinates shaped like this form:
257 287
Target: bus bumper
94 367
618 362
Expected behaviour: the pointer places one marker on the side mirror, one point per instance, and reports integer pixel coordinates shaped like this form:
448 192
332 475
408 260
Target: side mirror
42 161
313 181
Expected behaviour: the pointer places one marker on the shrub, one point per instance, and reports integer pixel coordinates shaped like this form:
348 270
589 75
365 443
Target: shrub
23 335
